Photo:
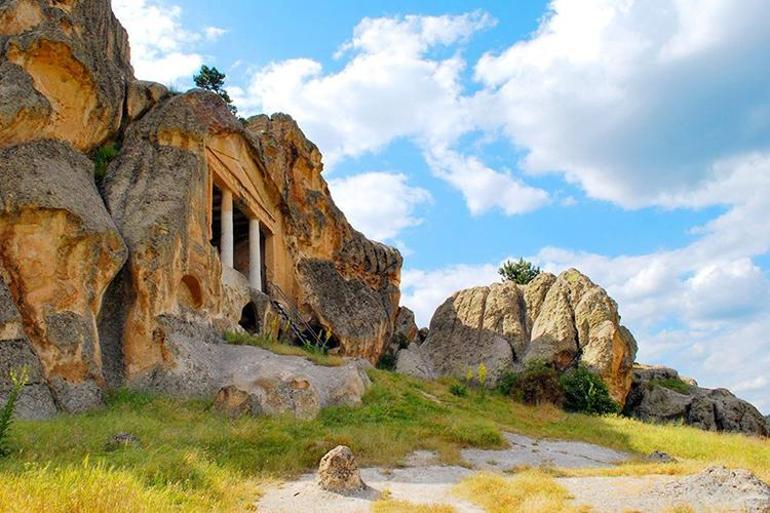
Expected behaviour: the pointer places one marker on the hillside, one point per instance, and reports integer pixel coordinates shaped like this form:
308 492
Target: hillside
190 458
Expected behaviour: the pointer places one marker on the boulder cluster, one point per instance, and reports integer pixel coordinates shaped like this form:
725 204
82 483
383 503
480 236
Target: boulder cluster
563 321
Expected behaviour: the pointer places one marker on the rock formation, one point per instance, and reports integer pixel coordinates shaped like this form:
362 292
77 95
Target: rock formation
64 69
563 320
653 399
124 284
338 471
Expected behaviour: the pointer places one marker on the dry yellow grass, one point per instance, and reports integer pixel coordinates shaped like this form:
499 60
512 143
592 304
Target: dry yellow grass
391 506
531 491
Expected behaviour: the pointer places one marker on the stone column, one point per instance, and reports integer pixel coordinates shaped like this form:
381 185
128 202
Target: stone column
227 240
255 255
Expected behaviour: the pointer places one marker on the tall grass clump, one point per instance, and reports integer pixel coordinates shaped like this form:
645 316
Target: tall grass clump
19 379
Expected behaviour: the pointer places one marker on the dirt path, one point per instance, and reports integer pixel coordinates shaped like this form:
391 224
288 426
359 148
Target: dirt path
424 481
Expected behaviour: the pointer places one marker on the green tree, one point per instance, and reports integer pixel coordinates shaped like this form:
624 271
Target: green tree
521 272
212 79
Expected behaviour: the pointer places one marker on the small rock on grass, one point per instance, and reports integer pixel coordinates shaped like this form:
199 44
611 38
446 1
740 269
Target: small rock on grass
338 471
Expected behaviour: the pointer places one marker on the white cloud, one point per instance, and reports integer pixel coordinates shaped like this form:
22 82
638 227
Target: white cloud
214 33
379 204
390 88
423 291
483 187
635 100
162 49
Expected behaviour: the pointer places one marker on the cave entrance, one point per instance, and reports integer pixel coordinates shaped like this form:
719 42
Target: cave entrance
250 318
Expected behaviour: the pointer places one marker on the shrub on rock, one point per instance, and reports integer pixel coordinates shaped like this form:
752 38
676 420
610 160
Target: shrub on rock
538 384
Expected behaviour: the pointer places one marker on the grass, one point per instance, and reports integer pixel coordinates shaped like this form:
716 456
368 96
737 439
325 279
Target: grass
530 491
192 459
271 344
391 506
677 385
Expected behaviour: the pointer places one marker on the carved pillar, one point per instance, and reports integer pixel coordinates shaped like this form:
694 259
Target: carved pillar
227 239
255 255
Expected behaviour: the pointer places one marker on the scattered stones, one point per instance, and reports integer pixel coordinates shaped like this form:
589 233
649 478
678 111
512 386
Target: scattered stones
338 471
660 457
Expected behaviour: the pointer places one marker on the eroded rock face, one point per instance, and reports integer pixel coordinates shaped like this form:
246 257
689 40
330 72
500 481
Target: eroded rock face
64 67
338 471
91 322
156 193
712 410
344 281
59 251
250 380
564 320
35 401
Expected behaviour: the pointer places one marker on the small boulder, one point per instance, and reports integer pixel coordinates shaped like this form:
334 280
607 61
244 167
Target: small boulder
338 471
660 457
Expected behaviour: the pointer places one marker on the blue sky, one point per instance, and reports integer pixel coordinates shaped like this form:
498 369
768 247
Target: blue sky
628 139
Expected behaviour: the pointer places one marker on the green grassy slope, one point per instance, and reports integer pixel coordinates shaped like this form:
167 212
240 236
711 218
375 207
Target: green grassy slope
192 459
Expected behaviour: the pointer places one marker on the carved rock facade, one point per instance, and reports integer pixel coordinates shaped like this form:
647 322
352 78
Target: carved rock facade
103 282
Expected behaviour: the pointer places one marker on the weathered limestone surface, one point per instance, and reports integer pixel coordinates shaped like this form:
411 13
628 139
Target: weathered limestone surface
59 250
711 410
35 401
64 67
157 192
101 286
338 471
563 320
246 379
344 281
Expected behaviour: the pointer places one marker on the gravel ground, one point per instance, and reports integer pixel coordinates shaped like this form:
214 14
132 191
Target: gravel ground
526 451
423 481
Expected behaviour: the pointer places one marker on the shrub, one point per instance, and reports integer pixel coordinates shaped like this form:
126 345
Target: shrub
102 158
586 392
482 375
507 382
400 340
521 272
18 380
458 390
675 384
538 384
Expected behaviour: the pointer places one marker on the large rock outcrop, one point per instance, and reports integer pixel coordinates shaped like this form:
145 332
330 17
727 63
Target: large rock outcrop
563 320
99 281
345 282
59 251
64 70
157 192
659 394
